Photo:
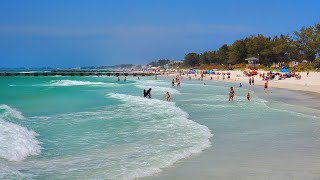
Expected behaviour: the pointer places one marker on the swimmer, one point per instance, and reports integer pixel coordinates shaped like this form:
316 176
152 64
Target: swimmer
168 97
231 94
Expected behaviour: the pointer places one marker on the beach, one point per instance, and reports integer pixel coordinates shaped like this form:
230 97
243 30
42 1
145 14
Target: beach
98 127
310 83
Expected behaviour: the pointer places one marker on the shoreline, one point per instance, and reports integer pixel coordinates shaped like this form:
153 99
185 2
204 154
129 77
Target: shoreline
308 84
209 164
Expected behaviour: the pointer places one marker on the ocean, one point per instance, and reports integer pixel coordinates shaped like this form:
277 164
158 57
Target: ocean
99 128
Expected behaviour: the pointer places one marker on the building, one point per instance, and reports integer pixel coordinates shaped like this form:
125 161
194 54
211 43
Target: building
253 62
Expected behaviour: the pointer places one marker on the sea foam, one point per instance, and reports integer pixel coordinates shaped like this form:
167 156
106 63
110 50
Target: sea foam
74 83
17 142
178 136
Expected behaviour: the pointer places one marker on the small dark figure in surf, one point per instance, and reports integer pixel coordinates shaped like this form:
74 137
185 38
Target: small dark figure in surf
252 81
231 94
147 93
138 78
125 79
118 78
172 82
248 96
240 85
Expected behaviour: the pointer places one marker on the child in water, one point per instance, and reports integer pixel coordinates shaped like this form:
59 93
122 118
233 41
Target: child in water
248 96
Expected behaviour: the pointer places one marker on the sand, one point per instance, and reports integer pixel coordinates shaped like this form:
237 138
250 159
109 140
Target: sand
310 83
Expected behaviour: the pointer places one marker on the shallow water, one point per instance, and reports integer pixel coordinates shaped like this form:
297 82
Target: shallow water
98 128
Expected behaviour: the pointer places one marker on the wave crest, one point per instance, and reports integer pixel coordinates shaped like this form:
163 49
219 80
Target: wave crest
17 142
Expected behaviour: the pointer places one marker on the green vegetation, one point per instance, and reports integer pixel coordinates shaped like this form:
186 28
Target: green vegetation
302 45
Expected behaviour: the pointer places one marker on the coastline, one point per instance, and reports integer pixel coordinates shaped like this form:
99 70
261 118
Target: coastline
309 84
207 165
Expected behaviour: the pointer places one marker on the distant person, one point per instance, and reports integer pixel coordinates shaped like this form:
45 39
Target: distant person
172 82
118 78
248 96
223 77
240 85
266 86
125 79
156 77
252 80
211 78
147 93
138 78
231 94
178 83
189 78
307 73
168 97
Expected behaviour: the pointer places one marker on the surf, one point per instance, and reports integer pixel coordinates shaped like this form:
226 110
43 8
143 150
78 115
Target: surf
17 142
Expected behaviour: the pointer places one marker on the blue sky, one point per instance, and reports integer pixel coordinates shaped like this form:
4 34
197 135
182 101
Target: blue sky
73 33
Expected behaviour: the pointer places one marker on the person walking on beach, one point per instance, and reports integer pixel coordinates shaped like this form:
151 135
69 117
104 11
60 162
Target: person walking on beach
248 96
231 94
252 80
266 86
168 97
172 82
307 73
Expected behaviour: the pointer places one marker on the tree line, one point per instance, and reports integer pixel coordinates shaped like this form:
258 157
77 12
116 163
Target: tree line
301 45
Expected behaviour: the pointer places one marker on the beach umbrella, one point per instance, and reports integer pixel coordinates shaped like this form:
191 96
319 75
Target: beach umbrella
284 70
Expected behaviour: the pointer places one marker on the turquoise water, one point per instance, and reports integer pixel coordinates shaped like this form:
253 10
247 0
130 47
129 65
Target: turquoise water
98 128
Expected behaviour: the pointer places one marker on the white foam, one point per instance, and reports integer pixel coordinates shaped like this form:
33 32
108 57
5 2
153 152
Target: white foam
159 87
16 142
185 137
74 83
10 112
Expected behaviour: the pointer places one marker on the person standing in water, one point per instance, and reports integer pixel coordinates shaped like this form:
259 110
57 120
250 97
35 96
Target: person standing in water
178 83
125 79
168 97
266 86
118 78
240 85
252 81
248 96
231 94
172 82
